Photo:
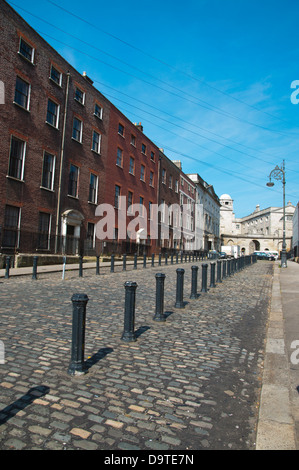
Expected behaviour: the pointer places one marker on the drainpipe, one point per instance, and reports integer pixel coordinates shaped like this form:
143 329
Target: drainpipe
61 163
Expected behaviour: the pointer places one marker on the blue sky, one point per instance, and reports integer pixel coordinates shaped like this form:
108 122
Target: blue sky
210 80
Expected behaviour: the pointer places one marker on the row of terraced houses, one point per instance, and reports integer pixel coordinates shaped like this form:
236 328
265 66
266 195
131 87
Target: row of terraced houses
66 150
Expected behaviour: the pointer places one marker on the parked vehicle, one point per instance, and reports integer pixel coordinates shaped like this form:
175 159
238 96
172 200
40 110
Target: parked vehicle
274 253
222 254
264 255
232 251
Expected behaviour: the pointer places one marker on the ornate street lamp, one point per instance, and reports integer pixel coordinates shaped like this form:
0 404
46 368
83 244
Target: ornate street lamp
279 174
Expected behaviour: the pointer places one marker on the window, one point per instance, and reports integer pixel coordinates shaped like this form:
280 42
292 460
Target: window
79 96
48 171
96 142
132 166
119 157
11 232
150 210
152 156
141 209
133 140
142 173
121 130
73 181
53 113
170 181
116 196
26 50
55 75
176 186
77 129
91 235
143 149
17 158
22 93
98 111
151 182
130 201
163 176
44 227
93 188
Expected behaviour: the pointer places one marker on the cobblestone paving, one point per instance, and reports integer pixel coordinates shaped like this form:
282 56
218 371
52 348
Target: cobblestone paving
191 382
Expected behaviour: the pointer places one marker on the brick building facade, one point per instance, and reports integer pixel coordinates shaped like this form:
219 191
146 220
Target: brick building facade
66 150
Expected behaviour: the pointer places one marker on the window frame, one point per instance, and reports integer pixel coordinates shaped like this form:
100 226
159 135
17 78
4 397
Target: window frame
59 83
71 182
119 157
82 102
53 171
46 234
98 150
76 130
93 189
8 228
21 171
98 115
32 55
28 96
57 107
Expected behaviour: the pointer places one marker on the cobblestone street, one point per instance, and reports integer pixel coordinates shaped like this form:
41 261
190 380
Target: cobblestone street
192 382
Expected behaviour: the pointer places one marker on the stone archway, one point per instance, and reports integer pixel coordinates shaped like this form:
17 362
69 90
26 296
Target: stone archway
254 245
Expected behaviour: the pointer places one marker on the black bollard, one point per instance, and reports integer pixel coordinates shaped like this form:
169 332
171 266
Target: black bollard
204 280
212 279
80 266
112 264
180 289
228 267
34 270
129 320
177 258
219 271
166 258
98 266
153 260
224 269
159 315
194 294
160 257
135 261
77 365
7 266
124 262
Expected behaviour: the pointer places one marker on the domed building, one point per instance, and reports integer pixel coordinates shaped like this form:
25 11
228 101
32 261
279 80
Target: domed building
262 230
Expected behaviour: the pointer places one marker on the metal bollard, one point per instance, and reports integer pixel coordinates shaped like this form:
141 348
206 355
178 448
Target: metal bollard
204 279
177 258
194 294
159 315
135 261
224 269
63 267
7 266
112 264
153 260
180 288
80 266
219 271
34 270
171 259
98 266
228 267
212 278
77 365
160 257
124 262
166 258
129 320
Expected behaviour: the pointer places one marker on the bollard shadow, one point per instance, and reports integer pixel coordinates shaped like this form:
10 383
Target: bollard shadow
11 410
167 314
91 361
141 330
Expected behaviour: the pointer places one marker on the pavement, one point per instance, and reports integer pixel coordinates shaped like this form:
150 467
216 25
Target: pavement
222 373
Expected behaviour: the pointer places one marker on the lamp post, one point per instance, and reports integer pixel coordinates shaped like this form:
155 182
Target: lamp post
279 174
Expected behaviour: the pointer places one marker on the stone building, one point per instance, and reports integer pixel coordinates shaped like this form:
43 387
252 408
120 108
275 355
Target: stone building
259 231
